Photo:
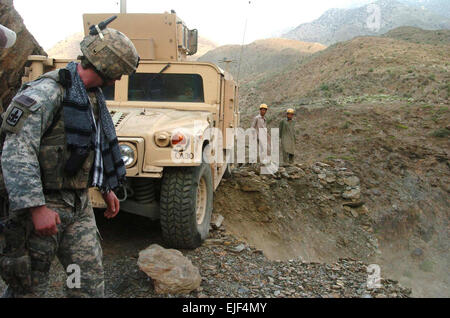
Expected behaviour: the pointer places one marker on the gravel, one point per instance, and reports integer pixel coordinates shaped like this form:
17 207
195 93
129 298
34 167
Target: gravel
230 268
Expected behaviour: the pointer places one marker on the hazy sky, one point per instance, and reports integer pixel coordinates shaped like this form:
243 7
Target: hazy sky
222 21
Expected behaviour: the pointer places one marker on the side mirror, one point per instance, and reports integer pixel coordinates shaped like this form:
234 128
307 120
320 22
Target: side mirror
192 42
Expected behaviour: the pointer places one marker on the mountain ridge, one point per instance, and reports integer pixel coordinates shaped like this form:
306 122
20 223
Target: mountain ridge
337 25
262 56
362 66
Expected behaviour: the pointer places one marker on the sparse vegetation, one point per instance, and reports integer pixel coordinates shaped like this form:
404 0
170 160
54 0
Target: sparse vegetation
346 125
394 73
441 133
324 87
426 266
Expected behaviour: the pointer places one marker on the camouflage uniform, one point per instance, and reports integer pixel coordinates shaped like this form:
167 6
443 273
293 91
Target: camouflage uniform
32 178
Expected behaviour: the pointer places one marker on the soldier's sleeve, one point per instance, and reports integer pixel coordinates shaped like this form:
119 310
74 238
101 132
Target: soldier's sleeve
25 121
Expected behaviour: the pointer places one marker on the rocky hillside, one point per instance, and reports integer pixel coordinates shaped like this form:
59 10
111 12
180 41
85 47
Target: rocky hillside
371 182
261 58
381 66
69 48
419 36
337 25
13 60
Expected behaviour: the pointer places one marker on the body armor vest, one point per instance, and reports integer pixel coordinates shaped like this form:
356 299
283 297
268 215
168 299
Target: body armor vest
53 155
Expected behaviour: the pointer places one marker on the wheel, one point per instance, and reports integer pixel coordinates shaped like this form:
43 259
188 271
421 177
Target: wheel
186 206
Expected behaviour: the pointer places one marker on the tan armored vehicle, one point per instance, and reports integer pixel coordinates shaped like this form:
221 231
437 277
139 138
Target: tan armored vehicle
170 117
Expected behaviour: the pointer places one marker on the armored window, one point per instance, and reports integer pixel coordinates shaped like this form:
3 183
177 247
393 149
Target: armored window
157 87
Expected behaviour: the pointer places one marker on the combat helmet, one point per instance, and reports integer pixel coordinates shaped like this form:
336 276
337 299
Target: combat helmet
110 52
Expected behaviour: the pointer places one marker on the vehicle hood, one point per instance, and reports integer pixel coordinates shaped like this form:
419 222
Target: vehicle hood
145 122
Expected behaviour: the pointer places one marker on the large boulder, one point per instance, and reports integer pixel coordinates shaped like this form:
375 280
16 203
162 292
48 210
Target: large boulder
14 59
171 272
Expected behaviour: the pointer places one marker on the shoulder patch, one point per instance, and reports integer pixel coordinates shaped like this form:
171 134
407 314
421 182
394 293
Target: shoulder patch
14 116
25 100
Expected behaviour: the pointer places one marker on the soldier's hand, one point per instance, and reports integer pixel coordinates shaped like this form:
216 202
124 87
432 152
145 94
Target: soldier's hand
45 221
112 203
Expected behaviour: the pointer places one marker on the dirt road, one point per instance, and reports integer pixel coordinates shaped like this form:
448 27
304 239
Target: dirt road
229 268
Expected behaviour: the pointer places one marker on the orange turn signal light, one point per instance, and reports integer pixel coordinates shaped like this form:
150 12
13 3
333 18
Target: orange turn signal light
177 139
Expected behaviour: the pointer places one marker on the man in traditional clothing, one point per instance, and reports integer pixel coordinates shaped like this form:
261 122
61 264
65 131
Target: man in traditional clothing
287 137
259 124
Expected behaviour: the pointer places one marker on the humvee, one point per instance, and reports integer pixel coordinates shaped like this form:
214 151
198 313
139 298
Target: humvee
170 116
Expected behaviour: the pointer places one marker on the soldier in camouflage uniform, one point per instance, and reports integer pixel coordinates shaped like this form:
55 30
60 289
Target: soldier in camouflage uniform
47 168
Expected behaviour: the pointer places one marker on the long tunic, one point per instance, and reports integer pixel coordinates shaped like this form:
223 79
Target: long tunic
259 122
287 136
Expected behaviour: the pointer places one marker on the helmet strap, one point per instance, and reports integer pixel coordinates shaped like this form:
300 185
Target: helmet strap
100 33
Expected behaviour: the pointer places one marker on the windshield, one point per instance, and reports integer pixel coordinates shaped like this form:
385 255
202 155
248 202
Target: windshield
159 87
108 92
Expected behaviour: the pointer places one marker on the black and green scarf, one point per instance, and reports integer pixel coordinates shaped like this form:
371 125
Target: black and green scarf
82 135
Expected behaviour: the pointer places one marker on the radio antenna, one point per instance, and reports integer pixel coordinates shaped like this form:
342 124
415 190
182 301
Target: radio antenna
242 45
123 6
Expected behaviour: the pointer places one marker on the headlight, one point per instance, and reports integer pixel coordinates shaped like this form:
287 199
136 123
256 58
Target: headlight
129 154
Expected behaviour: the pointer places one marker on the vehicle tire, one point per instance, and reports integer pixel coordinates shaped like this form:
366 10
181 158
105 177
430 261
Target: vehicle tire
186 206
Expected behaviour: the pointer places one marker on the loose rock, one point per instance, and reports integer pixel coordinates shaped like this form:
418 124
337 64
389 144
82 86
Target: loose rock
352 181
171 272
354 194
216 221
